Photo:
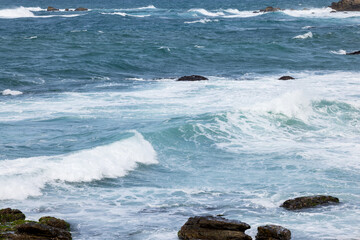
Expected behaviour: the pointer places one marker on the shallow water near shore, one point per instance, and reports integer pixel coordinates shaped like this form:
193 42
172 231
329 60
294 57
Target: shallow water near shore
96 130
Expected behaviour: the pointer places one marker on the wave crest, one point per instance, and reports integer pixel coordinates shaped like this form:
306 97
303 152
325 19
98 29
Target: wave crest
26 177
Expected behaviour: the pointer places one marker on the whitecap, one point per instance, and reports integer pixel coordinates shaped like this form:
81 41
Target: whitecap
340 52
205 20
320 13
11 92
19 12
24 177
32 37
304 36
206 12
22 12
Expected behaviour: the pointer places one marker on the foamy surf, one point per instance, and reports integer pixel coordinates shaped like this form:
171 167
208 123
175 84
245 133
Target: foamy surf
24 177
339 52
304 36
11 92
22 12
320 13
203 21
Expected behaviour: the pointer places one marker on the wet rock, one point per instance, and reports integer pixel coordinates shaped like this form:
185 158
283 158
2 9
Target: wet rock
286 78
346 5
308 202
270 9
273 232
66 9
42 231
214 228
55 222
10 215
353 53
52 9
79 9
192 78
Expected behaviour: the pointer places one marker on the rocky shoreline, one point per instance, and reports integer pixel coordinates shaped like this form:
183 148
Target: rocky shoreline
13 226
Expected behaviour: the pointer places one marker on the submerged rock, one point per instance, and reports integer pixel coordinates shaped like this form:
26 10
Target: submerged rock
81 9
353 53
52 9
192 78
270 9
214 228
308 202
346 5
10 215
286 78
273 232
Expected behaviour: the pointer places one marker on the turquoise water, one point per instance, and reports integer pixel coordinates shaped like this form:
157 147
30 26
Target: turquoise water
96 130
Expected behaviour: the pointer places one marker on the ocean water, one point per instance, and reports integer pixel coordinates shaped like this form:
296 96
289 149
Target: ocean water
95 129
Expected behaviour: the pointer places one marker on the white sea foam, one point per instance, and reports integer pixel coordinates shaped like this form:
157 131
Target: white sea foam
206 12
339 52
24 177
320 13
235 13
11 92
19 12
123 14
147 7
205 20
304 36
32 37
22 12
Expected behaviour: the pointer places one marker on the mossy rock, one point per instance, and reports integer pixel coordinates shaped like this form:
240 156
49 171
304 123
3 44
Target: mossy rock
10 215
55 222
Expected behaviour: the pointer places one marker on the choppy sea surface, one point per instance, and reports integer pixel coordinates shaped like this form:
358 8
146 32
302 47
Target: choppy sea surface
95 129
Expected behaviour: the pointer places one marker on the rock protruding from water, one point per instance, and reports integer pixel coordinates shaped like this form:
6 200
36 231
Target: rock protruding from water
192 78
14 226
270 9
10 215
346 5
215 228
55 222
353 53
273 232
79 9
308 202
52 9
33 229
286 78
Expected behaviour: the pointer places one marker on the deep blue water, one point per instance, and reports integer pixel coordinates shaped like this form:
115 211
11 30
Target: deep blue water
95 129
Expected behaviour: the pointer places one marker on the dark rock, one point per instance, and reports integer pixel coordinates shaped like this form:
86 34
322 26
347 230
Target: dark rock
52 9
308 202
353 53
214 228
81 9
66 9
270 9
192 78
333 11
10 215
42 231
286 78
55 222
273 232
346 5
256 12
